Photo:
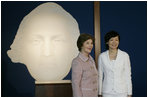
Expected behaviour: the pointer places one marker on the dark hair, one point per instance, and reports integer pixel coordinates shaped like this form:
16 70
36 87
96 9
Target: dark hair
82 38
109 35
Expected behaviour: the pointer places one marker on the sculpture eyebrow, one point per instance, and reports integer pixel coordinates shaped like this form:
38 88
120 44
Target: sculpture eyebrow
58 37
51 38
36 37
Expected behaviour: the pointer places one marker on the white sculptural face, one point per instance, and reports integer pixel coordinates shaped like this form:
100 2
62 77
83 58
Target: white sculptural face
47 46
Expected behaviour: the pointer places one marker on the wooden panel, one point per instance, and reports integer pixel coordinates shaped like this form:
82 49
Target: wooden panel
97 30
53 90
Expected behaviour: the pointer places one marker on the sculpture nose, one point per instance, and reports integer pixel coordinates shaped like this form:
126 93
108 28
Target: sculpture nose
47 48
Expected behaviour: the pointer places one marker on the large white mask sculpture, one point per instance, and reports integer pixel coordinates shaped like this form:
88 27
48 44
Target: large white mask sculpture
46 42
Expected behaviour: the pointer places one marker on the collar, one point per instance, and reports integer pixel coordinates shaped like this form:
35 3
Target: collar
118 53
84 58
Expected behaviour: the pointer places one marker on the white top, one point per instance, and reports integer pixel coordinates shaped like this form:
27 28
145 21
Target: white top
112 62
114 75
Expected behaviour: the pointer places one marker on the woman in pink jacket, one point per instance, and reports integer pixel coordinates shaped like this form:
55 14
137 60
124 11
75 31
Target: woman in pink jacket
84 72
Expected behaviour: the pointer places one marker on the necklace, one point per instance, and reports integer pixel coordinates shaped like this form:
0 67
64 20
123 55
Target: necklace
112 55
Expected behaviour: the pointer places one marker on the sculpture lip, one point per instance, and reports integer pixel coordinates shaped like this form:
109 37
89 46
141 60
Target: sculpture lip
46 66
47 63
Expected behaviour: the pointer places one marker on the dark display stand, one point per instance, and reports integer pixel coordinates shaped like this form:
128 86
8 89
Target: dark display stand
53 90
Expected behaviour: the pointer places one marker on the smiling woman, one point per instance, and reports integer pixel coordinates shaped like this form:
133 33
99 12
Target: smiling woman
84 72
114 69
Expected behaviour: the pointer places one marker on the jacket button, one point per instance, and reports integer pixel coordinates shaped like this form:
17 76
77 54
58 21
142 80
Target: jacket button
91 67
95 89
94 82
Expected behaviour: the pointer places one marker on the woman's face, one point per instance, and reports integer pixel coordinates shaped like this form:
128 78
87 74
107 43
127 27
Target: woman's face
113 42
87 46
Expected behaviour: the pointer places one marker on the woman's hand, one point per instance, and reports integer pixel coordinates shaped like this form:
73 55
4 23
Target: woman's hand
129 96
99 95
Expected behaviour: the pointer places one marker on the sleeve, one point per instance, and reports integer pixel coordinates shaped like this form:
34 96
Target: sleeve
100 74
76 78
128 75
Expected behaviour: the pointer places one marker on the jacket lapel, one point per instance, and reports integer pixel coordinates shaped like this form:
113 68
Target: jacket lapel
108 60
116 61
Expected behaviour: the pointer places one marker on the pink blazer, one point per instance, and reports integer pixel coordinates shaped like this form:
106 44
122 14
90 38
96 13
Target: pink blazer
84 77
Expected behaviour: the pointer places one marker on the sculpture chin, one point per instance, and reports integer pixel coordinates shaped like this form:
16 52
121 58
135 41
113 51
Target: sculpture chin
49 72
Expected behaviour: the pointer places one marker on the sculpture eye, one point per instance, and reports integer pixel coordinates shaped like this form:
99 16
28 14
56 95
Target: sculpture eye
36 41
59 39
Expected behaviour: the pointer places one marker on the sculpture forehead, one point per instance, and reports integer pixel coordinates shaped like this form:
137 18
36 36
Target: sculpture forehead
51 23
47 21
47 26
